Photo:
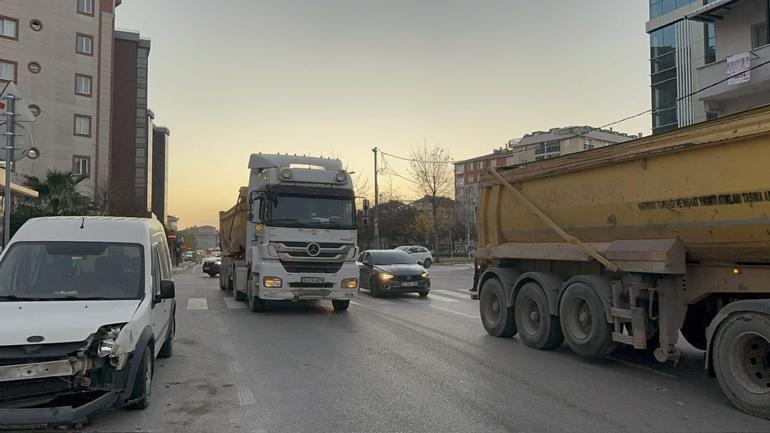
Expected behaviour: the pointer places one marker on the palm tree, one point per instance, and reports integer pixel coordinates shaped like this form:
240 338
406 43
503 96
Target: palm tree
58 194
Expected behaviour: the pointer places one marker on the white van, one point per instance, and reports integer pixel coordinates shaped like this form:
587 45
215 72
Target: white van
86 305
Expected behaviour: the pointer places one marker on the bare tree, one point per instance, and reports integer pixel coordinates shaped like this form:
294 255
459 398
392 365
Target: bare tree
431 172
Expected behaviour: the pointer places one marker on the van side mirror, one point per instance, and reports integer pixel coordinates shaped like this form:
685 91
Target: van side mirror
167 289
366 212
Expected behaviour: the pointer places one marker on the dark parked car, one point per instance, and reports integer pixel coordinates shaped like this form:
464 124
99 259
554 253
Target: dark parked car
392 271
211 266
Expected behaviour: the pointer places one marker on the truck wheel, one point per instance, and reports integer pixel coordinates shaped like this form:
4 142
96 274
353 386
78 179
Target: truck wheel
238 295
340 305
256 304
537 327
742 361
583 321
143 382
426 264
222 283
495 316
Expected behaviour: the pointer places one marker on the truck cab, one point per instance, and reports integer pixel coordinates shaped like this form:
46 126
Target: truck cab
300 232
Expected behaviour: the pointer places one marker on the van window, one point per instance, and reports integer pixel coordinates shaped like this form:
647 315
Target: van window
157 271
46 271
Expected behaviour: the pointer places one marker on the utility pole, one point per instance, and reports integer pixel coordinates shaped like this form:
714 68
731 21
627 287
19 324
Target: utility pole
376 203
10 143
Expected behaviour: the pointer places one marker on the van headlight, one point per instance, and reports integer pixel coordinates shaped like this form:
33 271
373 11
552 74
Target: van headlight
107 336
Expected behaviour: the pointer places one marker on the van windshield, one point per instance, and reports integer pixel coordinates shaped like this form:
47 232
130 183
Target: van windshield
55 271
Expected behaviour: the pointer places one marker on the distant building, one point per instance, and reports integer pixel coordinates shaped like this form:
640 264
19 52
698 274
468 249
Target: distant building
206 237
172 223
59 54
690 42
532 147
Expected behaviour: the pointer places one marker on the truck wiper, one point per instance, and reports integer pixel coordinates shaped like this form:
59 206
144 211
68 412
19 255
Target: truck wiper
14 298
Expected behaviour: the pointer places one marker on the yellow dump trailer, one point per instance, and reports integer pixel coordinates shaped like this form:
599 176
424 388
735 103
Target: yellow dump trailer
633 243
232 238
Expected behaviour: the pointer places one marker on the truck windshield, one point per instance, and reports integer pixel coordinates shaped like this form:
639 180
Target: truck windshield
64 271
311 212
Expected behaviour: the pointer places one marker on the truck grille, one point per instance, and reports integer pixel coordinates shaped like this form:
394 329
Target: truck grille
329 252
311 267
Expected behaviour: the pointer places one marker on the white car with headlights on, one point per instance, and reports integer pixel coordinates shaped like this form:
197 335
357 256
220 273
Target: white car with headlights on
86 305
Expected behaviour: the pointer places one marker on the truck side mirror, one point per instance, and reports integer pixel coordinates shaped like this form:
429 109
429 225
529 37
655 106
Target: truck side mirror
255 200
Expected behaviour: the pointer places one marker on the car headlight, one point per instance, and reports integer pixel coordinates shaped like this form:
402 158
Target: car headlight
425 275
384 276
107 335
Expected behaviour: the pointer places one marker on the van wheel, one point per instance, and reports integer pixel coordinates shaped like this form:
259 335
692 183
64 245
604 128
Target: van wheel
143 382
340 305
742 361
537 327
495 316
426 264
168 346
583 321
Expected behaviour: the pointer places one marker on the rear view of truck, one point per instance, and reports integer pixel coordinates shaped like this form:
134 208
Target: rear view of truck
633 244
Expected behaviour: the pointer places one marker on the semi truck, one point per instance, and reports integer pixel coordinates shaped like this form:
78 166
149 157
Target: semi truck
636 244
291 235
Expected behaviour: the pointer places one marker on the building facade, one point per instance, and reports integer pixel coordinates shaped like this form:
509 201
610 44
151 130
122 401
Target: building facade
690 43
160 158
59 54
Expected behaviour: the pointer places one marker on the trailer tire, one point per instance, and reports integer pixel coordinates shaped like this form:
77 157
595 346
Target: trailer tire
537 327
495 316
583 320
238 295
742 361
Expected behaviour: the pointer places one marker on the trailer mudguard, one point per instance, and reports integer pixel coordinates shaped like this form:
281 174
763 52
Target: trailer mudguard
551 283
507 277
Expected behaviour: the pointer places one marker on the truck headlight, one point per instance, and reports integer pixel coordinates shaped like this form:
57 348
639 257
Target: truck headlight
386 276
272 282
350 283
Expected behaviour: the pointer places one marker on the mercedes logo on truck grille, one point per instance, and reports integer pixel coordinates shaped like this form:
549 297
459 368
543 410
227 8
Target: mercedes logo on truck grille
313 249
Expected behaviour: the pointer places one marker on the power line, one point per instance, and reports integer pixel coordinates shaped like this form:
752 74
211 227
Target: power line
526 147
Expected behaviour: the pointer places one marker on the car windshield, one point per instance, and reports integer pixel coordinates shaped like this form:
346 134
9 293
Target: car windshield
395 257
311 212
49 271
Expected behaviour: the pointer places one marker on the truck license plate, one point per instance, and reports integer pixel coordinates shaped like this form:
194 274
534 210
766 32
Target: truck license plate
313 280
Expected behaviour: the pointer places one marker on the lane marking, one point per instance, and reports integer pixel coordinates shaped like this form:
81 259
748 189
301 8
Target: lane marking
232 304
641 367
197 304
452 294
223 331
467 316
440 298
355 303
234 367
245 396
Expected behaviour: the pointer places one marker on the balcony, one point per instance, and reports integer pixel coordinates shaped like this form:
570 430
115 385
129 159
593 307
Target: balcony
724 93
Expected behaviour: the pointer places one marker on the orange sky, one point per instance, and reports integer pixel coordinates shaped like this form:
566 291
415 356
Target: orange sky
338 77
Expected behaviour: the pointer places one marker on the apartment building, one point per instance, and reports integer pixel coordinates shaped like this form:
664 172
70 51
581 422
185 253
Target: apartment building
59 54
691 42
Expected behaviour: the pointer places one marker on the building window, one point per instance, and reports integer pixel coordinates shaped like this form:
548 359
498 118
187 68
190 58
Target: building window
85 44
662 7
758 35
588 144
548 149
710 37
8 70
82 125
663 79
86 7
83 85
81 166
9 28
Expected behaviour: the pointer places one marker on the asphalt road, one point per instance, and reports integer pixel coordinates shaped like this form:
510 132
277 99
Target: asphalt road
403 364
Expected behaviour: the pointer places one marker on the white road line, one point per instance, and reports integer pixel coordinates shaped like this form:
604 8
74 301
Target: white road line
197 304
467 316
441 298
245 396
355 303
641 367
452 294
232 304
234 367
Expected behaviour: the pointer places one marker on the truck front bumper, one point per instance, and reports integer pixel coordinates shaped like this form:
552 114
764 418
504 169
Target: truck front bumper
307 286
